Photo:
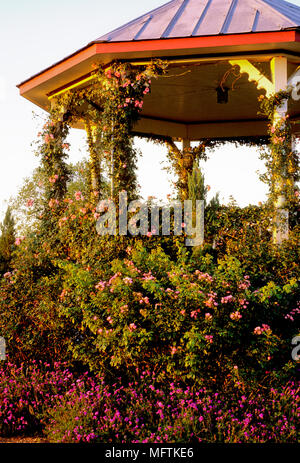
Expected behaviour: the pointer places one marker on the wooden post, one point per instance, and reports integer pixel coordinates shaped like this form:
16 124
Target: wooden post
281 219
112 165
112 174
186 144
94 161
187 166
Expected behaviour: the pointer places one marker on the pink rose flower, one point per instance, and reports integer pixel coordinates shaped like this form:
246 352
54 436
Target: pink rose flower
78 195
29 203
132 326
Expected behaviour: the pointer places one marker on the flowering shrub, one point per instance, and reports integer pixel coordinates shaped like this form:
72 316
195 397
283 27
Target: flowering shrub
83 408
186 314
27 392
245 233
119 304
143 413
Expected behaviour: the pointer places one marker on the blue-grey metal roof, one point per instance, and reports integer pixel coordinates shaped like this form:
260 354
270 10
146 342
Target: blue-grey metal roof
188 18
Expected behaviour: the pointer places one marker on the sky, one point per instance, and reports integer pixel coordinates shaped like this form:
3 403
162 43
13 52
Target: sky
37 33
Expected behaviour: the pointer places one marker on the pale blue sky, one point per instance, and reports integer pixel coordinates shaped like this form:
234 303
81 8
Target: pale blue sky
36 33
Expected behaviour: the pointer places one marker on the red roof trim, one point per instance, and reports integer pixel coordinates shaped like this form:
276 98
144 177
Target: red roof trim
198 42
97 48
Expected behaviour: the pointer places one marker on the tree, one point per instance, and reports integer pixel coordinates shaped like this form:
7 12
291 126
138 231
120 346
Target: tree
198 190
28 204
7 241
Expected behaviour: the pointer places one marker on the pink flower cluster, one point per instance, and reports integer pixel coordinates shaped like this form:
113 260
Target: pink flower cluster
245 284
53 202
19 240
29 203
148 276
194 314
293 313
204 276
101 285
278 140
132 327
48 137
227 299
235 316
53 179
78 196
211 301
263 329
81 409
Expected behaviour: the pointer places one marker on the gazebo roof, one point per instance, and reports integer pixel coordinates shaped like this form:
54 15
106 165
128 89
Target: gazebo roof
194 18
205 37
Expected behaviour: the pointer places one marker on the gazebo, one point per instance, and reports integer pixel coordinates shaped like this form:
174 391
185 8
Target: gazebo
221 55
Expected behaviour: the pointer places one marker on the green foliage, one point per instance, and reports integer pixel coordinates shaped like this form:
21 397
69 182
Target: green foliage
120 305
197 189
137 303
79 178
27 204
182 164
29 318
246 234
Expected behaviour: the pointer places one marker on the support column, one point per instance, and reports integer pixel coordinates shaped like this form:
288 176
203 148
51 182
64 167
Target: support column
112 174
112 165
186 144
187 166
95 171
281 216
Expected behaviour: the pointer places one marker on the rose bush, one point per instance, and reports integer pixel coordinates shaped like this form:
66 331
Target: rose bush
120 304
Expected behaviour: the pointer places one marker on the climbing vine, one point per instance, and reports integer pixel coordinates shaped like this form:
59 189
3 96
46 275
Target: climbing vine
109 108
183 161
280 158
52 148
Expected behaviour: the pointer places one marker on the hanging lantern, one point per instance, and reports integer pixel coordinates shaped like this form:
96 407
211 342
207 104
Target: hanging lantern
222 95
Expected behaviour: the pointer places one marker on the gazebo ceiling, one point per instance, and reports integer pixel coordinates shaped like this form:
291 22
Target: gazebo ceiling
202 40
184 103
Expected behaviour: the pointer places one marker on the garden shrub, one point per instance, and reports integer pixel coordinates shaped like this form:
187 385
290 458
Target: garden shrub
53 402
118 304
27 392
144 412
188 317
